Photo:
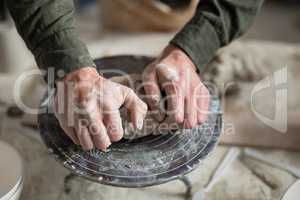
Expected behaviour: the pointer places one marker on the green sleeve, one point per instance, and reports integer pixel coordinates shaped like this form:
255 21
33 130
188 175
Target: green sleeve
47 27
215 24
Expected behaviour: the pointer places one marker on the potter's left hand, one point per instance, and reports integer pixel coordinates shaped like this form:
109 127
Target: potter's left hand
187 98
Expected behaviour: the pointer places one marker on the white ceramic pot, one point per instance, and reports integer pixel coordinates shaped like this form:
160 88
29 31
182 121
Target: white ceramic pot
293 192
11 173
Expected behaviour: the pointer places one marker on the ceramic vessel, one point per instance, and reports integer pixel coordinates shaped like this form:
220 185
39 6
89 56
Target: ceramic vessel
293 192
11 173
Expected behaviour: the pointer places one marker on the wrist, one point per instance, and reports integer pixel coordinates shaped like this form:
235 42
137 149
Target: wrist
83 74
174 56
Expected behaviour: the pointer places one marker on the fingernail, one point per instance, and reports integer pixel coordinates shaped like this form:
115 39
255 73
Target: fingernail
105 150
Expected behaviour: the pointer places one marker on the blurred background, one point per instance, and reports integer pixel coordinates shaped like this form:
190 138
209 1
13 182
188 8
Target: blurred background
98 20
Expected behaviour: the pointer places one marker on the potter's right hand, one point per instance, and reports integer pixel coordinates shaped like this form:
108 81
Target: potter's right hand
87 107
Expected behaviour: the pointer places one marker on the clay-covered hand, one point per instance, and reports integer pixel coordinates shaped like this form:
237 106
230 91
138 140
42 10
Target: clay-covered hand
87 107
186 97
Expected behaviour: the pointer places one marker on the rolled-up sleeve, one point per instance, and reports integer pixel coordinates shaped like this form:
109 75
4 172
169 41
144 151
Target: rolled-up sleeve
47 27
215 24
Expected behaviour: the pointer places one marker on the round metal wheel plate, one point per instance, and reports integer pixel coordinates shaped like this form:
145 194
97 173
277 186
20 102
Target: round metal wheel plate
146 161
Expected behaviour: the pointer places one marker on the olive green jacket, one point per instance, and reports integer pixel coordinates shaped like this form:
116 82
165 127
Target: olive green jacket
47 27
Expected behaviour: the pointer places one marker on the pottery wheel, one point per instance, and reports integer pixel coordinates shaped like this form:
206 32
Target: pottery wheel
146 161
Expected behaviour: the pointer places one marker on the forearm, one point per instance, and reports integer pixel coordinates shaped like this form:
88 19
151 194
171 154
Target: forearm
215 24
47 27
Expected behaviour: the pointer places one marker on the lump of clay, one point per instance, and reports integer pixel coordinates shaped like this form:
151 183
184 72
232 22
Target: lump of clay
134 81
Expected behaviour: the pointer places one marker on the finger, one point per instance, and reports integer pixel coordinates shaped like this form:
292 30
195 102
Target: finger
96 128
153 94
113 124
203 101
190 112
99 135
83 134
137 108
175 103
85 139
71 133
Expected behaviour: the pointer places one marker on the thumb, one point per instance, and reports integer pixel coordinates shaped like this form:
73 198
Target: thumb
153 94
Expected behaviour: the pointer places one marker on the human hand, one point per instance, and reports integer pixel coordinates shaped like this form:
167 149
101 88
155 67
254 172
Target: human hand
187 98
87 108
